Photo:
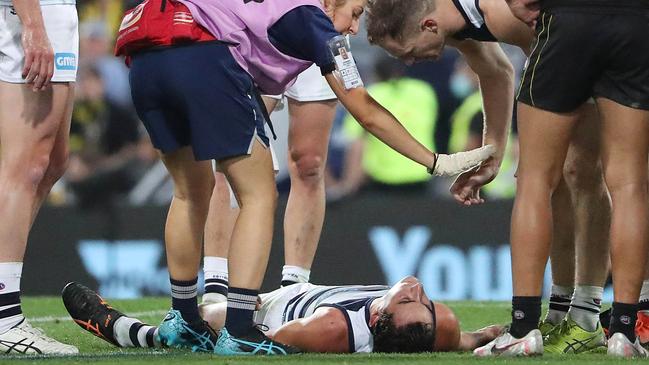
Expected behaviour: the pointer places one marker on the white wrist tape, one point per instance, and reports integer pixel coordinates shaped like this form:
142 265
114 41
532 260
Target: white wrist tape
456 163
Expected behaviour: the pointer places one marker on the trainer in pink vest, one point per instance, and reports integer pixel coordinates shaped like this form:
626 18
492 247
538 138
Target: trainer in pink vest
246 23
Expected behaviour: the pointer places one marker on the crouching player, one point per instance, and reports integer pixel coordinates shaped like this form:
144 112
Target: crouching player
314 318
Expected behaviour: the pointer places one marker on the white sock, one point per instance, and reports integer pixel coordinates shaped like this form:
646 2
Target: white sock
216 279
147 336
10 311
586 305
295 274
559 304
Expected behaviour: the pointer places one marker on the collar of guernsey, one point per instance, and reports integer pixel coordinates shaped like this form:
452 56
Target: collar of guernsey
245 24
43 2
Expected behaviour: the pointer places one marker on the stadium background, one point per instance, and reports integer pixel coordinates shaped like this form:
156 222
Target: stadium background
103 223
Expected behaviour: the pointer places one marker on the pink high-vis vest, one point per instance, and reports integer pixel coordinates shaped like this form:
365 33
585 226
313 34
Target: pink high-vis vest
246 23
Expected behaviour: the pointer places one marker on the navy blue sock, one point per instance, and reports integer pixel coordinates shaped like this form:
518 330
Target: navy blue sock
623 317
184 299
218 286
526 313
241 308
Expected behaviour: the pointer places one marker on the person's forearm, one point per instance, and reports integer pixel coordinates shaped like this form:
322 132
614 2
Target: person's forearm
29 12
498 104
496 75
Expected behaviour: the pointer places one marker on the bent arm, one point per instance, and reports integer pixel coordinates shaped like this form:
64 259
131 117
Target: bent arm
380 122
496 75
324 331
469 341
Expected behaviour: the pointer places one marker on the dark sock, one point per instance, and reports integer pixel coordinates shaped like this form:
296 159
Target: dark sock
241 308
623 317
288 282
643 305
219 286
605 318
526 313
184 299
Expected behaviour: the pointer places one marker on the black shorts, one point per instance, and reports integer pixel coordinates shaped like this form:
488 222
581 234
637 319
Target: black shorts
583 52
197 95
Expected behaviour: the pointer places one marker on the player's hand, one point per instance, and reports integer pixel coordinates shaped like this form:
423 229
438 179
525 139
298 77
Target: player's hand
525 10
489 333
456 163
39 57
466 188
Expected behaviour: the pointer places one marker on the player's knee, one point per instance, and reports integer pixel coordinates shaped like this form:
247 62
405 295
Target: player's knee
262 199
309 166
537 182
197 192
583 174
26 173
57 166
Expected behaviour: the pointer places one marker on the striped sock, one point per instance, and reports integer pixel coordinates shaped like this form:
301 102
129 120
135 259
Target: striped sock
241 308
216 279
559 304
11 313
130 332
585 306
184 299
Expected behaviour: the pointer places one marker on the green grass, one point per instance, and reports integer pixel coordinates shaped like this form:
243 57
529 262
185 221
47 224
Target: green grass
49 314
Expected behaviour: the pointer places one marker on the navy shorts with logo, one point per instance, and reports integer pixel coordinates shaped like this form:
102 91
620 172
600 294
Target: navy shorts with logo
583 51
197 95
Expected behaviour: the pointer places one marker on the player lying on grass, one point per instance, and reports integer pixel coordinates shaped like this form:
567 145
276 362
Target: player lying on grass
314 318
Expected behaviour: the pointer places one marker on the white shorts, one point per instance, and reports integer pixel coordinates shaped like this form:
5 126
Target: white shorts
271 313
61 25
310 85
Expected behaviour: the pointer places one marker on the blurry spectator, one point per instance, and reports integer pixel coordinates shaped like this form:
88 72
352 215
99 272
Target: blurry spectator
108 151
96 50
466 130
107 12
414 103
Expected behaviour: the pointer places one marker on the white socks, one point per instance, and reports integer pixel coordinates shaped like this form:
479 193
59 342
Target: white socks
144 334
559 304
585 306
216 279
10 311
294 274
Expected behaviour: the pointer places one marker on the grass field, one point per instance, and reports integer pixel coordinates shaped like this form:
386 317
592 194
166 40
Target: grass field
50 315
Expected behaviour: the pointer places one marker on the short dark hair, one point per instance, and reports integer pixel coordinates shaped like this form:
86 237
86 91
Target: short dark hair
394 18
413 337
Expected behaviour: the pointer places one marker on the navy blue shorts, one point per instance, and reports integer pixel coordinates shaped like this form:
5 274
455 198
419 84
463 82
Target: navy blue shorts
197 95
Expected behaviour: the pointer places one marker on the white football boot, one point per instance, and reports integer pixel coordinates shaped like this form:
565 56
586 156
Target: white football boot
508 345
620 346
25 339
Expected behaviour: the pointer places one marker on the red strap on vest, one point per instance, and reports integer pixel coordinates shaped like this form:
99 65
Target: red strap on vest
158 23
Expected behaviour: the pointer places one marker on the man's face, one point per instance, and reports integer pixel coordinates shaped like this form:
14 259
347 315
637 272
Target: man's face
422 45
408 303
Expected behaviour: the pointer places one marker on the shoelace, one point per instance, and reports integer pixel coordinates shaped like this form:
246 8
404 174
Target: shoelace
562 329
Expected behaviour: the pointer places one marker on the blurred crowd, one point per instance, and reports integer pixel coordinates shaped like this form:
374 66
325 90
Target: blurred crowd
112 160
